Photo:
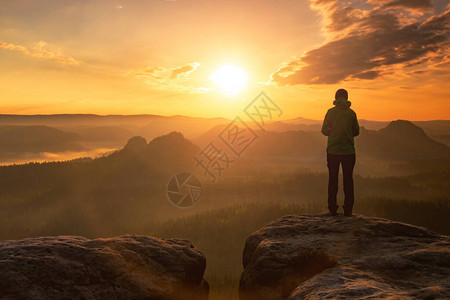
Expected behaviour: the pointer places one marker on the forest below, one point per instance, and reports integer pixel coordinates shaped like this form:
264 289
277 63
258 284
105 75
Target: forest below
125 192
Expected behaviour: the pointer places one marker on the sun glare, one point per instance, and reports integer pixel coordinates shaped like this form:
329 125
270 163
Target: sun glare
230 79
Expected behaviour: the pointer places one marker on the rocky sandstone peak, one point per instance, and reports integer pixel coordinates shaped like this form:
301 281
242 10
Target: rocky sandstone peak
403 129
326 257
124 267
135 143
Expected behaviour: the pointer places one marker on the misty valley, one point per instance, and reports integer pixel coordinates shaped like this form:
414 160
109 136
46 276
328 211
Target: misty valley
401 173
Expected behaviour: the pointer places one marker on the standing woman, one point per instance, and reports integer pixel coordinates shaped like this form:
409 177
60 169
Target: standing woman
340 125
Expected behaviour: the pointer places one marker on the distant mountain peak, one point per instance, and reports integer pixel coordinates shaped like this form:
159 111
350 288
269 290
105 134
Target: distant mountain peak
401 139
403 127
403 123
171 137
168 142
134 144
173 141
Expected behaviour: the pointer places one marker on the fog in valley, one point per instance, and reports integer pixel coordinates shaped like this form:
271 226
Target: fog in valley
100 176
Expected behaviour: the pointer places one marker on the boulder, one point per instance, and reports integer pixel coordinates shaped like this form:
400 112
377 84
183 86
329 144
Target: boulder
337 257
123 267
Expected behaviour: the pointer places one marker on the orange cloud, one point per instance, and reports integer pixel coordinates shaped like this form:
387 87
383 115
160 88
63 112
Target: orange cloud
184 70
173 78
41 50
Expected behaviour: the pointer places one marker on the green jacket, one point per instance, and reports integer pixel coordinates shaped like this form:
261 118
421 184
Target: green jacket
340 125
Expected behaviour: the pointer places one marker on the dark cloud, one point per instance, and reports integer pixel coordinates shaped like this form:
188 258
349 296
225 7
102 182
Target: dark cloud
409 4
341 18
368 42
367 75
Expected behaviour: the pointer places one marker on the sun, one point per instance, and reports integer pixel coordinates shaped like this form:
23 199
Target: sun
230 79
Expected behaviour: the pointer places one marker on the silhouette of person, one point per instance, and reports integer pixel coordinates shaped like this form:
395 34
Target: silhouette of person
340 125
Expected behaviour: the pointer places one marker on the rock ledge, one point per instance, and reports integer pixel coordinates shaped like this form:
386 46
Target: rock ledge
124 267
325 257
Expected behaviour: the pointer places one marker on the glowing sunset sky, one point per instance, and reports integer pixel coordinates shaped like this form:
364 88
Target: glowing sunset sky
157 57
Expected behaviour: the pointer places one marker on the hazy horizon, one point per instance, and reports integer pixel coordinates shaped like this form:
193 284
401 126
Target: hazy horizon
203 117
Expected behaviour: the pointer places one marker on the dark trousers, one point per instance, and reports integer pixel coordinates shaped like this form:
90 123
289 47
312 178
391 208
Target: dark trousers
348 163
